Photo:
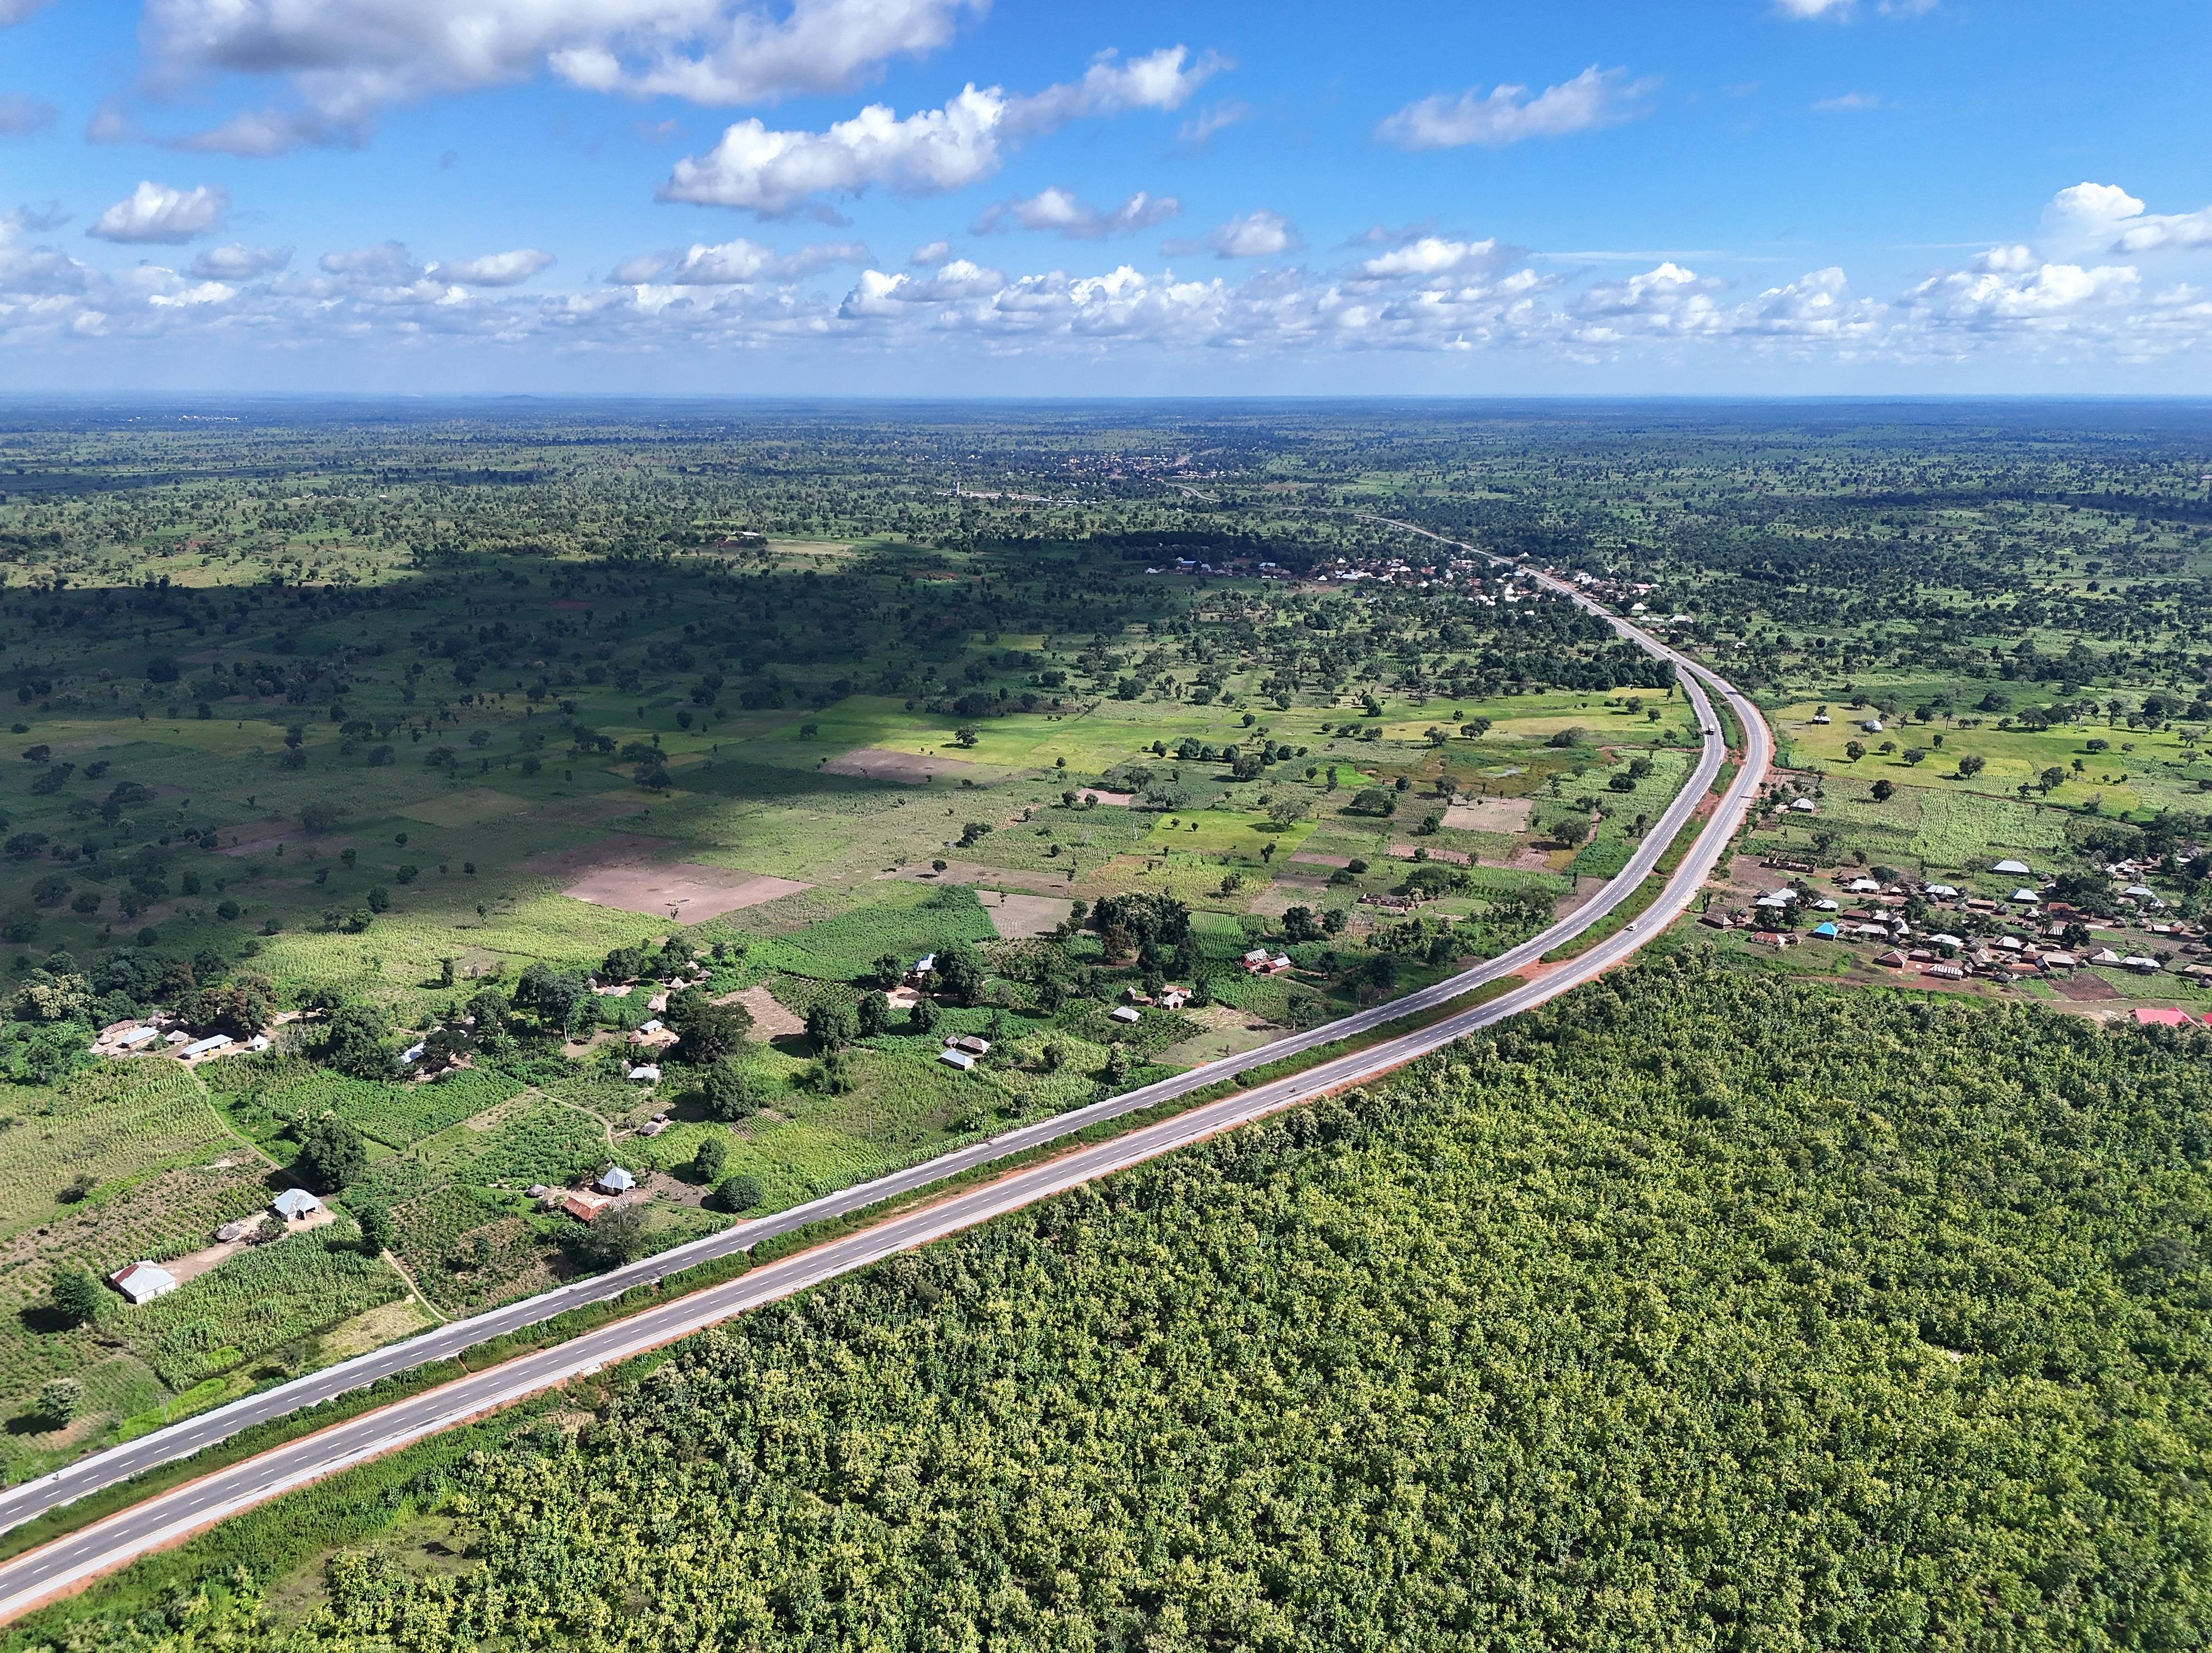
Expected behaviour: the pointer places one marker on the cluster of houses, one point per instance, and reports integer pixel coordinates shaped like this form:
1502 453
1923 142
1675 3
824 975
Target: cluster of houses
602 1195
144 1280
964 1050
1261 961
161 1035
653 1035
2032 949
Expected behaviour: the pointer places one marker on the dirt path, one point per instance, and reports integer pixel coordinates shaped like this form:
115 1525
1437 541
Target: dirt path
230 1130
415 1286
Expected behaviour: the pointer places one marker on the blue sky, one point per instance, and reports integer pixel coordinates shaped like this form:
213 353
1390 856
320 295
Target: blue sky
934 196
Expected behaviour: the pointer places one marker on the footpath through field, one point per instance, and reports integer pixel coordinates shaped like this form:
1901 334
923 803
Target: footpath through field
68 1562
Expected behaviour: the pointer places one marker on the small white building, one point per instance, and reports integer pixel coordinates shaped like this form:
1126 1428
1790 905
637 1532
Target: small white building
295 1203
959 1059
647 1073
141 1282
1802 806
1128 1013
615 1180
208 1046
2012 869
1872 725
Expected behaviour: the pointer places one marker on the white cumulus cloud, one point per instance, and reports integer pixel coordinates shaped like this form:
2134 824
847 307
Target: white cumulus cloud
1427 257
1059 211
157 212
732 264
770 173
1507 114
237 262
1259 233
344 60
494 268
2106 217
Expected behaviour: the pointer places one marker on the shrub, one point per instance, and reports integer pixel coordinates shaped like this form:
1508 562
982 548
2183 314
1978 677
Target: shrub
739 1194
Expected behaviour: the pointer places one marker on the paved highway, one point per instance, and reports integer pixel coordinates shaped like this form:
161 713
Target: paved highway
67 1562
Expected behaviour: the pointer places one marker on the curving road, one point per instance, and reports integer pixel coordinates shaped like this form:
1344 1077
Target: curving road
55 1568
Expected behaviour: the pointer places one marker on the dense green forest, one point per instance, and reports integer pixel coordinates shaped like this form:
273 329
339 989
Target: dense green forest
1700 1309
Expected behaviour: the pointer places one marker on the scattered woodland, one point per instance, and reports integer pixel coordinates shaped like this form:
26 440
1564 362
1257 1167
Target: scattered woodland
554 789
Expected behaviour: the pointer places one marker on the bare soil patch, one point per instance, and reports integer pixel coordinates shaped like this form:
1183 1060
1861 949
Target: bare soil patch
616 849
1490 815
686 891
1118 799
1015 916
1538 856
2084 987
1308 858
772 1018
908 768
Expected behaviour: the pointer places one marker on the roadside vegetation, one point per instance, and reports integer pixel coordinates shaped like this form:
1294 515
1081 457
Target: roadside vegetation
1696 1306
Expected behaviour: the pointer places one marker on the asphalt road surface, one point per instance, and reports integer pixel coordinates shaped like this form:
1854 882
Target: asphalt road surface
55 1568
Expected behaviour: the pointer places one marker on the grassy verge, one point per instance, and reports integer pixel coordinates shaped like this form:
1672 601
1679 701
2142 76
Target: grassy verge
1639 899
1731 727
1613 923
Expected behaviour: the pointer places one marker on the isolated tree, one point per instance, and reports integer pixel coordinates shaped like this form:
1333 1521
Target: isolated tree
353 1042
377 1232
709 1157
960 969
609 1240
875 1014
76 1295
706 1031
58 1401
331 1152
730 1092
832 1024
739 1194
923 1017
553 998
